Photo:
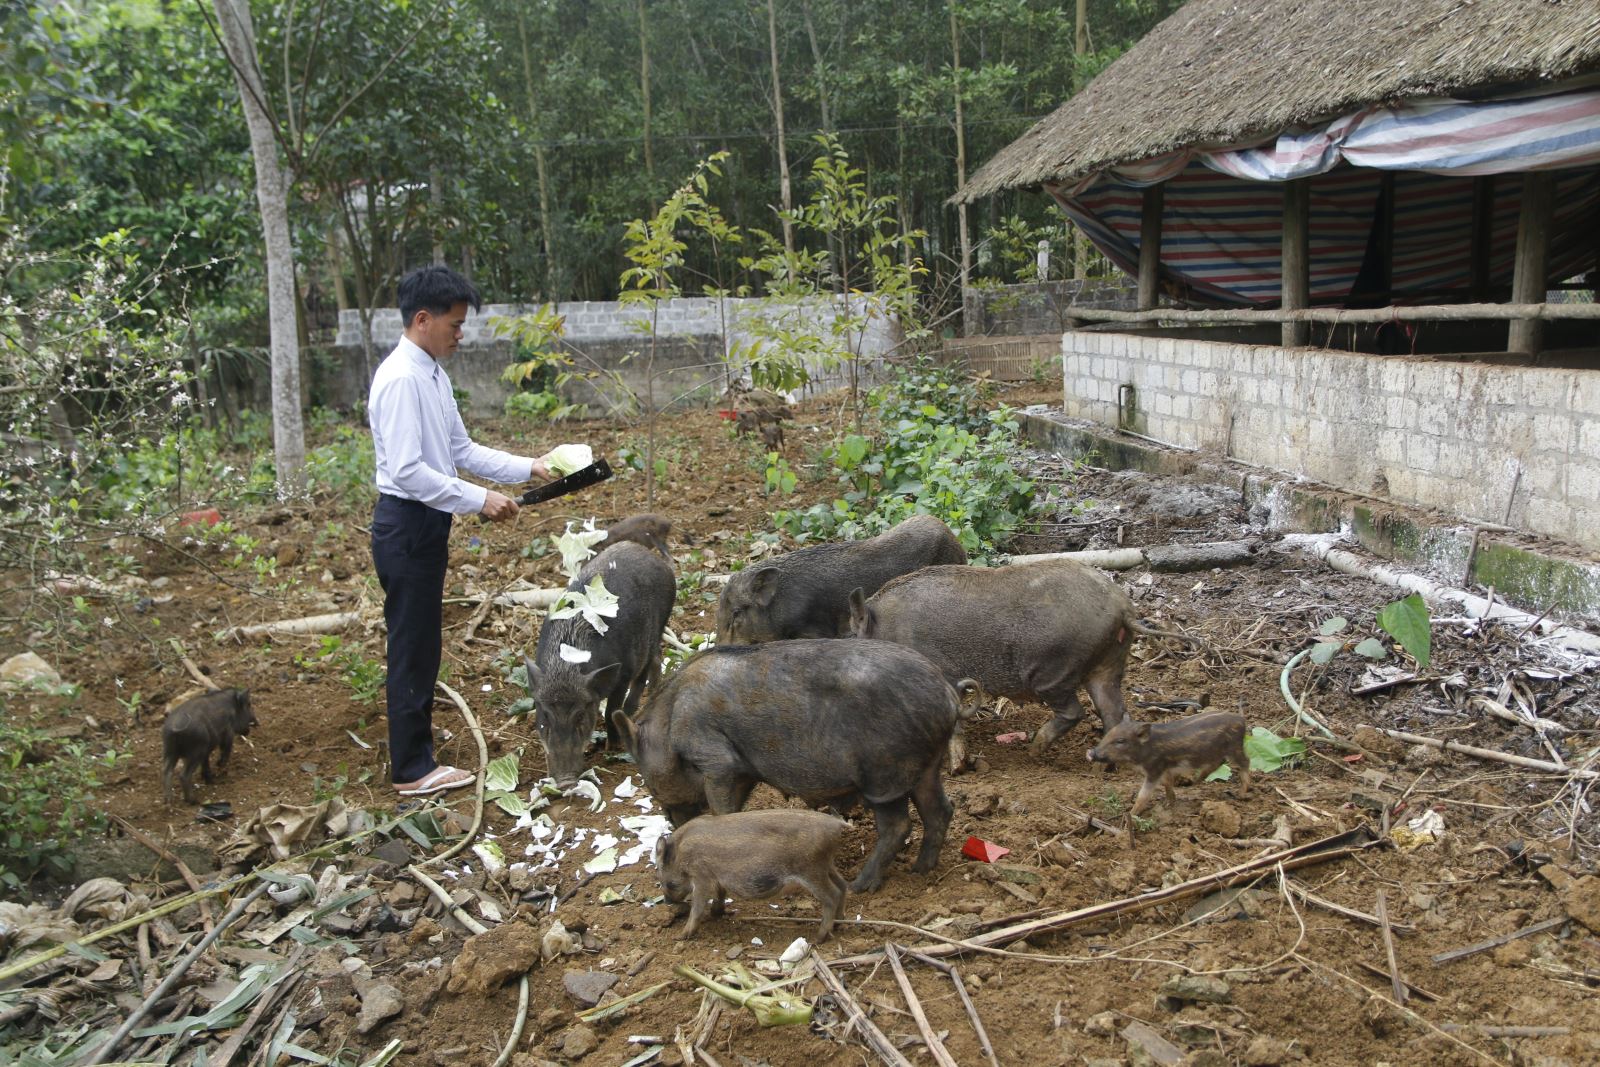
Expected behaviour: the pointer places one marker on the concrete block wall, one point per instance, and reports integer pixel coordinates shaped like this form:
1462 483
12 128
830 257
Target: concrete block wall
1039 307
607 330
1494 443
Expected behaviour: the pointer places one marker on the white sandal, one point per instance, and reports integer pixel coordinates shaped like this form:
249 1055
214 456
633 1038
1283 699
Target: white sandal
438 780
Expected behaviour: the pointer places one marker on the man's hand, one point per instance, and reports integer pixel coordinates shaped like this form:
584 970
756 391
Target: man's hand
540 472
498 507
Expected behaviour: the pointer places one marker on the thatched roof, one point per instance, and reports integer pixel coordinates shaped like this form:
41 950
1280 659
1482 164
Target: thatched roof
1220 72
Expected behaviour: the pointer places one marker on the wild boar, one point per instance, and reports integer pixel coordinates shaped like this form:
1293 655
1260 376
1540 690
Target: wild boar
1189 748
194 729
806 593
1030 633
575 667
651 531
831 722
752 855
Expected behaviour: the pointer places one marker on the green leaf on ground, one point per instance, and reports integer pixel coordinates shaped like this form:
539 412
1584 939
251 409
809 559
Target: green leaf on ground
1372 648
1407 621
1324 651
1268 752
1333 626
501 774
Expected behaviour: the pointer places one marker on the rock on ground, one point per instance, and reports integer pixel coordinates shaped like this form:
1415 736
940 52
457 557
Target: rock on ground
491 959
587 987
379 1002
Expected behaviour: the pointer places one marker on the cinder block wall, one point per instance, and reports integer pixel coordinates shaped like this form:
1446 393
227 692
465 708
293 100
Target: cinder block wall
1519 445
607 331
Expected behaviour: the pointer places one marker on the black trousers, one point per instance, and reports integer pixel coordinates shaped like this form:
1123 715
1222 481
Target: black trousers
410 546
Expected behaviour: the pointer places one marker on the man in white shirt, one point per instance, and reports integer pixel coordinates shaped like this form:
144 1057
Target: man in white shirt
420 443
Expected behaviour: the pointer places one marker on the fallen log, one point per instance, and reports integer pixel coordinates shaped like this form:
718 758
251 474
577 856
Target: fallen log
311 624
1168 558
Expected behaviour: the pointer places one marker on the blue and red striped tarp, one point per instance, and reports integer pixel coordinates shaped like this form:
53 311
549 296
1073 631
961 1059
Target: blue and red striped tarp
1222 208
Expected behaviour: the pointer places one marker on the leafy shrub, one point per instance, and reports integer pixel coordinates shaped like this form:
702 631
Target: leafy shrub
939 453
46 799
542 406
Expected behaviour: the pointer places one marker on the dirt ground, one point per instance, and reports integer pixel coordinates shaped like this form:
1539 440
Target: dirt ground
1291 970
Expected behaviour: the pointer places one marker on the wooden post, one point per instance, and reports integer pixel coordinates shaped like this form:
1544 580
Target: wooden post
1482 230
1150 247
1533 247
1296 259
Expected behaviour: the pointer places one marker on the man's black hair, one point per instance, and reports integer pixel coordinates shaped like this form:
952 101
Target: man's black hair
436 290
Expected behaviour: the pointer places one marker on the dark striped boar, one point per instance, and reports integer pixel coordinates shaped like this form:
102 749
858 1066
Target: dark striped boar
1189 748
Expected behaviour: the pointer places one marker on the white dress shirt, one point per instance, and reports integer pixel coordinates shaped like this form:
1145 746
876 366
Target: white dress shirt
420 440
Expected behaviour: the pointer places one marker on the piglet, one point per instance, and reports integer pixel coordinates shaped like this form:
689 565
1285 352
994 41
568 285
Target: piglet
648 530
197 727
752 855
1190 748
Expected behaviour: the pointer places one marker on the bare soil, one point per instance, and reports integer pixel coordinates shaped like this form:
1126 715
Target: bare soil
1297 973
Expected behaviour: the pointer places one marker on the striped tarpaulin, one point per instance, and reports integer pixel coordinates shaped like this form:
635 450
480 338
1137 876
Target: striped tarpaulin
1222 212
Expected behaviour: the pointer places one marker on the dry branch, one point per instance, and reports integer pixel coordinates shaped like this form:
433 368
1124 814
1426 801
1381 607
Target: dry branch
1395 980
855 1017
1320 851
941 1055
1495 942
1490 754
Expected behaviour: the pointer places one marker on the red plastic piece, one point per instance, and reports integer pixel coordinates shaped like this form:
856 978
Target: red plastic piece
728 413
983 851
1011 738
203 517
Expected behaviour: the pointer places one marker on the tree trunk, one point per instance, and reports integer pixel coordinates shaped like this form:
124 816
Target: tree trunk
961 155
1080 243
821 69
784 193
272 195
546 240
436 219
644 89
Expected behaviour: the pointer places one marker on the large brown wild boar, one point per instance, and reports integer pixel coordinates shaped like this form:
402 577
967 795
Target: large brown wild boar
1030 633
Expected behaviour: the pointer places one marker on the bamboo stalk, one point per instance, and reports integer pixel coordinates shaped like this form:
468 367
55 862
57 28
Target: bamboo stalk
941 1055
178 971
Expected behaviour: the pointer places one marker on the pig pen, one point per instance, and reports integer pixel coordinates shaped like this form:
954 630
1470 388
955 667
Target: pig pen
1466 935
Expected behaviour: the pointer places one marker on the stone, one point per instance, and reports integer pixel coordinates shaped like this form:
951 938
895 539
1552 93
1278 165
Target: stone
489 960
1182 989
394 852
551 1019
379 1003
587 987
26 670
424 929
1147 1046
1581 899
579 1042
1220 818
1103 1024
1267 1051
1513 953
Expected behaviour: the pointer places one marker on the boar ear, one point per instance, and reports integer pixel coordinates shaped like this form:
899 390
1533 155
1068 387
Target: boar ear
533 672
764 585
860 614
1143 732
601 682
663 853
